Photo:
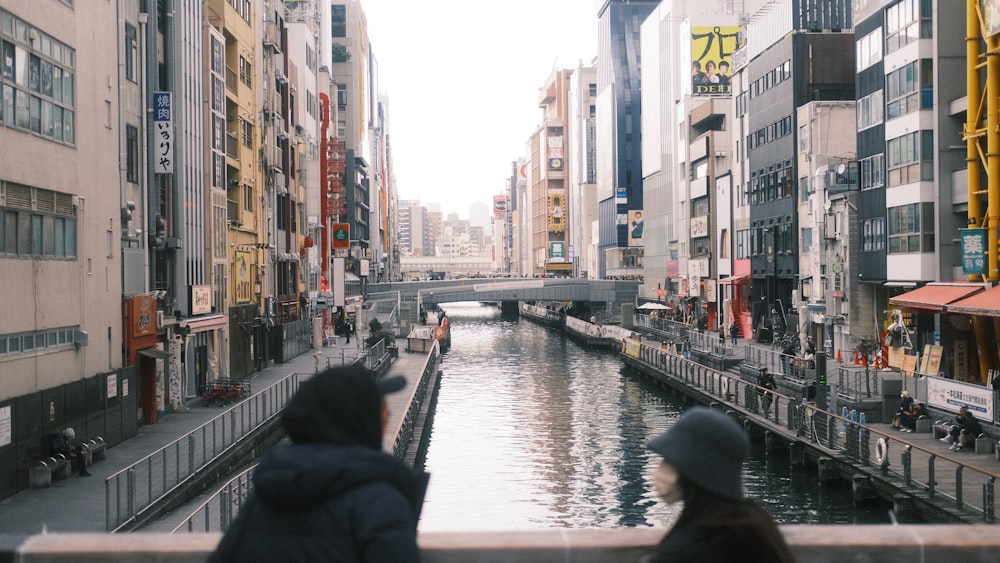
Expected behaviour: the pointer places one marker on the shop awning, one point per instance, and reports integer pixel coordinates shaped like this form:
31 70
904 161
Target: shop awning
934 297
734 279
154 353
199 324
986 303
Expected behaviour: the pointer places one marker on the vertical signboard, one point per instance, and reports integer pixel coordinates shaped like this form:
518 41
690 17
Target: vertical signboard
711 53
341 234
163 145
241 276
635 226
973 251
557 251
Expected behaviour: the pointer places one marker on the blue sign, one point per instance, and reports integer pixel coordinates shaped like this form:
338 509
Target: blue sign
161 106
973 251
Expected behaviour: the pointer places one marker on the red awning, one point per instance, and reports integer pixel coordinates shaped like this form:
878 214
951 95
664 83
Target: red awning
734 279
986 303
934 297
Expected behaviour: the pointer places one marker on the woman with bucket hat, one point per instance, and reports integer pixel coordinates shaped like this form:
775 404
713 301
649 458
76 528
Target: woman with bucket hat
702 465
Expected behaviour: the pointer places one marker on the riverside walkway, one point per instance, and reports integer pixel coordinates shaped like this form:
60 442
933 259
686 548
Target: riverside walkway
79 504
914 471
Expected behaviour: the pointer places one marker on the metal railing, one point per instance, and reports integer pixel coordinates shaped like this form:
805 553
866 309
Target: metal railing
971 488
219 510
129 492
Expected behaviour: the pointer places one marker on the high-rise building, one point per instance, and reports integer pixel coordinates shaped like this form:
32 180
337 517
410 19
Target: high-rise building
581 169
619 136
548 190
810 60
62 208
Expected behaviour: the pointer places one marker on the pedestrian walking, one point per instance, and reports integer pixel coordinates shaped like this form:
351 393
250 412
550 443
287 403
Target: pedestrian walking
332 494
734 331
702 465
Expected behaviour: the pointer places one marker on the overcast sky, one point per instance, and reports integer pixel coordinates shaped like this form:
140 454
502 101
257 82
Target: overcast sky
462 79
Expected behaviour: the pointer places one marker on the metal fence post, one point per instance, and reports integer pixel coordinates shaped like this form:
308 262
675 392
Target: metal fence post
989 512
191 447
130 494
225 509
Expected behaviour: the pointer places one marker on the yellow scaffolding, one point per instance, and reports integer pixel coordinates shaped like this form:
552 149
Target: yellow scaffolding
982 137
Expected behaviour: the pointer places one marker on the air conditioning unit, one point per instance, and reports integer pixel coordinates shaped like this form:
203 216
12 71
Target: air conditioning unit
80 338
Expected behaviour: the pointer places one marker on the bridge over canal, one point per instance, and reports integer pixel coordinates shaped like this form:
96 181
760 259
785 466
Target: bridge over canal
607 294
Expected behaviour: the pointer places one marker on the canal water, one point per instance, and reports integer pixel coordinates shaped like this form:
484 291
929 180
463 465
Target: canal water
531 430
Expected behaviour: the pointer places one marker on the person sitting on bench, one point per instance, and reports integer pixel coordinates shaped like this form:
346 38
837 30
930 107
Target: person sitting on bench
964 431
65 443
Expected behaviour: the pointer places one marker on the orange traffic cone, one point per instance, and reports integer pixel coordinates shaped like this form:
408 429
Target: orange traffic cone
857 359
864 361
840 359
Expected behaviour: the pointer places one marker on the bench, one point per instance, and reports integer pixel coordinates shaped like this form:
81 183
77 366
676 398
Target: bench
93 450
41 474
984 442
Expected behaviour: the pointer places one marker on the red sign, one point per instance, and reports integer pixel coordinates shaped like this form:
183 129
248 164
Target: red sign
143 315
341 235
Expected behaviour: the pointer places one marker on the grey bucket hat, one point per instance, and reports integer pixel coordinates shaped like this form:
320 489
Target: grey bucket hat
707 448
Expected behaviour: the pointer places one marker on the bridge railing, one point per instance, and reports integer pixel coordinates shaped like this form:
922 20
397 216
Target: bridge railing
809 543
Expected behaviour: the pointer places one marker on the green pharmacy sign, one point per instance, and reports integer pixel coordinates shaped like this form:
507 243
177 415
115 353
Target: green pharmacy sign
973 251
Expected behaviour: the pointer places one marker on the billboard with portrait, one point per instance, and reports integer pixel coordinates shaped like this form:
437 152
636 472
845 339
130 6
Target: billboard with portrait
711 58
991 16
635 227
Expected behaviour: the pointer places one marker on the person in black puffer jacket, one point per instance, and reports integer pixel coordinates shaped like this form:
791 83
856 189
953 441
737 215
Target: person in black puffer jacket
332 494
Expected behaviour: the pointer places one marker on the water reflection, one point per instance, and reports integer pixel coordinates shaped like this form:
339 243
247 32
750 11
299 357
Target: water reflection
533 431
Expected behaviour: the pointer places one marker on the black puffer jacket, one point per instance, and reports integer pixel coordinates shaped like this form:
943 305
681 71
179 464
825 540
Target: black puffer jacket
325 502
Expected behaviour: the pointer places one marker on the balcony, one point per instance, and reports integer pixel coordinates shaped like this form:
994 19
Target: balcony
233 213
272 35
232 80
843 178
232 145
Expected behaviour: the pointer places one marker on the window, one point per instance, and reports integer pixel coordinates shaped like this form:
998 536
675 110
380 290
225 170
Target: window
910 88
872 171
246 72
132 153
338 19
246 132
911 228
869 112
905 22
37 222
248 198
873 234
36 81
868 50
36 341
807 239
131 52
743 244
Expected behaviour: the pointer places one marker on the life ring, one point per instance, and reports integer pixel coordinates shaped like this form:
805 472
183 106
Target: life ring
881 451
439 332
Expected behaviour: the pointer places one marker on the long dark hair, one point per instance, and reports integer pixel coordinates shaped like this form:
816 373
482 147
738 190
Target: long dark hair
705 508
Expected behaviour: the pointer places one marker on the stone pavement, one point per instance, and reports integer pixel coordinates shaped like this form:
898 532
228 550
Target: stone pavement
78 504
